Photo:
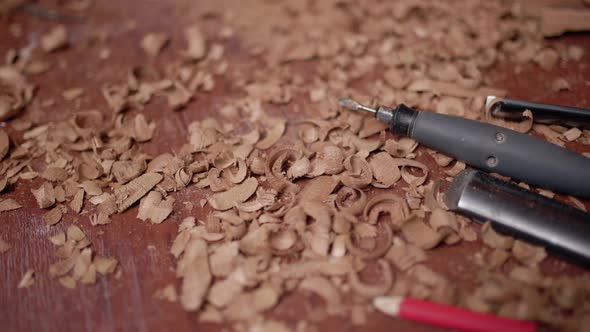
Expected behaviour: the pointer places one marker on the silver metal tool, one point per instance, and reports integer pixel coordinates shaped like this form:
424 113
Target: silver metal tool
489 147
562 229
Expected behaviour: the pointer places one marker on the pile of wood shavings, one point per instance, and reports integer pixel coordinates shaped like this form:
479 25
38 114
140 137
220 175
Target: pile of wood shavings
295 206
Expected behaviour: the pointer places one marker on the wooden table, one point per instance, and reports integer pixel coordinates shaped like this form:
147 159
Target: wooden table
127 303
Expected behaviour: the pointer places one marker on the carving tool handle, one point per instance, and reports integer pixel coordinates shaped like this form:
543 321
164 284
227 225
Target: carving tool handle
497 149
562 229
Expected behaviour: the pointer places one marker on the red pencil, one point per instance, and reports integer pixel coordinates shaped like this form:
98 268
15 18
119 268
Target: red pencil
449 316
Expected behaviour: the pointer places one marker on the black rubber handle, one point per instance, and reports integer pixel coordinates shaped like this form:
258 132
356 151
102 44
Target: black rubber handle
504 151
565 231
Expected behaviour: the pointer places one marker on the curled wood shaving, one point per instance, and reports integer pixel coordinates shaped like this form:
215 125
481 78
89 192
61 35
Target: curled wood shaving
270 326
551 135
273 134
560 84
371 126
223 259
196 43
523 126
54 215
392 204
283 240
130 193
385 170
67 282
27 280
376 289
4 246
237 194
409 178
4 144
78 201
299 168
92 188
404 255
105 265
420 234
319 189
154 208
142 130
328 161
125 171
9 204
378 251
256 241
224 291
55 39
167 292
493 239
497 258
196 275
528 254
401 148
45 195
358 172
451 106
441 159
572 134
343 222
62 267
55 174
527 275
326 290
350 200
15 93
241 174
456 169
248 305
153 43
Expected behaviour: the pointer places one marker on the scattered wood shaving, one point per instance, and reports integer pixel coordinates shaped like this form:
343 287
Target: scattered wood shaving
153 43
196 43
493 239
45 195
196 275
237 194
167 292
4 246
9 204
4 144
133 191
55 39
572 134
28 279
154 208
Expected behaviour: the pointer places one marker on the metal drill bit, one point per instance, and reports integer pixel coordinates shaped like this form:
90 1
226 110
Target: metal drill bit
352 105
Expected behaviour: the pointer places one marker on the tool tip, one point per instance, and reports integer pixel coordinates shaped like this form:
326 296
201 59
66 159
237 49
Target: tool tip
354 105
348 103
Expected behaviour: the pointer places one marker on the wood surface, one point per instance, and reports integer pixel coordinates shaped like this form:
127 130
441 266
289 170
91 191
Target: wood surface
127 303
